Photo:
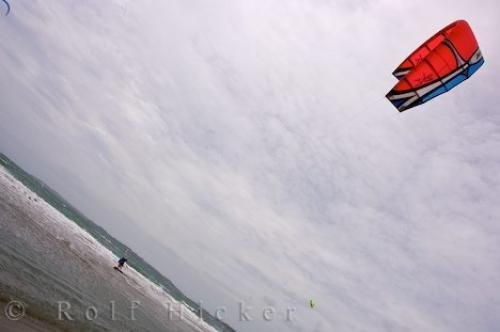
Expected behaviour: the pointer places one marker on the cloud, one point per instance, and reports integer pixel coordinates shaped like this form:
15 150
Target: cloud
252 139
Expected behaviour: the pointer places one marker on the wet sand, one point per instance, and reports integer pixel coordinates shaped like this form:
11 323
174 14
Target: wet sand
24 324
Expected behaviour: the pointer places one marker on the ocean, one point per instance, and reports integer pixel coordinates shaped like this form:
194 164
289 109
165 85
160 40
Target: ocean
56 268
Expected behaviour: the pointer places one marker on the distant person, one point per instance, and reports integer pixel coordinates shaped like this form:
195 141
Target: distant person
121 262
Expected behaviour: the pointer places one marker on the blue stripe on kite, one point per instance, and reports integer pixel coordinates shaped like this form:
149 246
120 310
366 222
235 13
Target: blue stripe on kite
456 81
398 102
473 68
434 93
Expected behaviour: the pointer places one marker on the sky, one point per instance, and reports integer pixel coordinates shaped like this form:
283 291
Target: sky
246 150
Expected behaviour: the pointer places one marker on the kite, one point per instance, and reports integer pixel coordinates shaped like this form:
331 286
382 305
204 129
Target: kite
445 60
8 7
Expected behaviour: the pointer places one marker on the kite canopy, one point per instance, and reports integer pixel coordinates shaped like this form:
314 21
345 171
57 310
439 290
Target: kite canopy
445 60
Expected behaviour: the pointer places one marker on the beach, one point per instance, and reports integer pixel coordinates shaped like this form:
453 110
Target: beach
64 277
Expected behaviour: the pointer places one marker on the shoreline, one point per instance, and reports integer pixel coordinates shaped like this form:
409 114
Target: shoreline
32 227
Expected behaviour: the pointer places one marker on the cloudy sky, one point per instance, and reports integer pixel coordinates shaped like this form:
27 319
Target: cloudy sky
245 148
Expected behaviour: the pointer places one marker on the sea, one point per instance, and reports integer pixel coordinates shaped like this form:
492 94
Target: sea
56 268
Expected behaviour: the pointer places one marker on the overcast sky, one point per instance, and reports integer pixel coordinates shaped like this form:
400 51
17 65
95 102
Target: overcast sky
247 146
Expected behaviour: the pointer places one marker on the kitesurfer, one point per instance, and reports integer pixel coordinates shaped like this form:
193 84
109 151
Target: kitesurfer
121 262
